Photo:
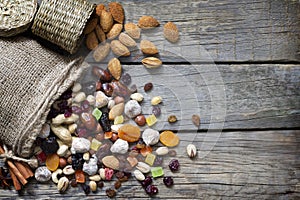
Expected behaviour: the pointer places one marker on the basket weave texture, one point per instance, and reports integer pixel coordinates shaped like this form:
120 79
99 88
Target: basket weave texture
62 22
31 79
16 16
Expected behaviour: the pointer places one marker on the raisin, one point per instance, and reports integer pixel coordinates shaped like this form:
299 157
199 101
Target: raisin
104 122
49 145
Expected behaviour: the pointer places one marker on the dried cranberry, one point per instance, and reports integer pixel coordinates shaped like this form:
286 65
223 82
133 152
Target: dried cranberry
67 114
168 181
49 145
126 79
174 165
147 181
156 111
151 190
148 87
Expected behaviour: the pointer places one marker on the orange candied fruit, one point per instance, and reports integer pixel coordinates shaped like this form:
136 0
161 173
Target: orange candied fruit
79 176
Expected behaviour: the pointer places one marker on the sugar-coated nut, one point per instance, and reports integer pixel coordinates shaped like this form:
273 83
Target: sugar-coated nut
68 170
132 109
120 146
76 88
81 145
63 184
138 175
42 174
55 174
96 177
150 136
80 97
191 150
93 186
156 100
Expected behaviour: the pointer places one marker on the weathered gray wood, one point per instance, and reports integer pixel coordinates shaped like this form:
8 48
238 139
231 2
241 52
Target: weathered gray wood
225 96
231 30
248 165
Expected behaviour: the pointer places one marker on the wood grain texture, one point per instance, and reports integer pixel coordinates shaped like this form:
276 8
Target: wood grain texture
248 165
263 30
257 96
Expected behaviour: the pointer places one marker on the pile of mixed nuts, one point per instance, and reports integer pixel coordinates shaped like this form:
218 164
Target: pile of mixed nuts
94 130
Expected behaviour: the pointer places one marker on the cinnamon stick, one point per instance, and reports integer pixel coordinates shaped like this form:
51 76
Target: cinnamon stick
16 172
29 170
22 169
15 180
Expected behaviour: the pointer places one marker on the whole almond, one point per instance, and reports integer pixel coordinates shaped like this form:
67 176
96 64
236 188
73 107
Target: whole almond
119 49
114 31
100 34
148 47
99 9
111 162
133 30
171 32
115 68
127 40
117 12
151 62
101 52
91 40
106 21
90 25
146 22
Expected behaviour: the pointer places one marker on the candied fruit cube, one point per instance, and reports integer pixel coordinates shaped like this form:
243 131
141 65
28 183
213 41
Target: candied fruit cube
157 172
151 120
150 158
118 120
95 144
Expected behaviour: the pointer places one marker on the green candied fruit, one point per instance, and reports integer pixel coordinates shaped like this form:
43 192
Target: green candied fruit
97 113
95 144
150 158
119 120
157 172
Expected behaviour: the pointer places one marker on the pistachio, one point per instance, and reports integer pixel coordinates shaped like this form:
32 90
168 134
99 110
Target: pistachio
156 100
139 175
68 170
191 150
143 167
63 184
151 62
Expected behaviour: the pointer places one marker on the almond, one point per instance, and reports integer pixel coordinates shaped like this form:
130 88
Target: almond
119 49
171 32
91 41
101 52
151 62
106 21
115 68
114 31
133 30
111 162
127 40
117 12
146 22
99 9
100 34
148 47
90 25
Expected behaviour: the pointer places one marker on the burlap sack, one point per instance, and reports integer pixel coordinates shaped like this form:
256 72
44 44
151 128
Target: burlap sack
31 78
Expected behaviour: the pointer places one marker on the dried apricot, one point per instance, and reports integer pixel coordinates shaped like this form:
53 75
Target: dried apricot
52 162
129 132
169 139
79 176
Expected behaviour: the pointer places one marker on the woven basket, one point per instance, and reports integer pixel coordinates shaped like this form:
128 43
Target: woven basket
16 16
62 22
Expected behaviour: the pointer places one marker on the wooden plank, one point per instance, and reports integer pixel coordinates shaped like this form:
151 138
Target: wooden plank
258 96
259 165
230 30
